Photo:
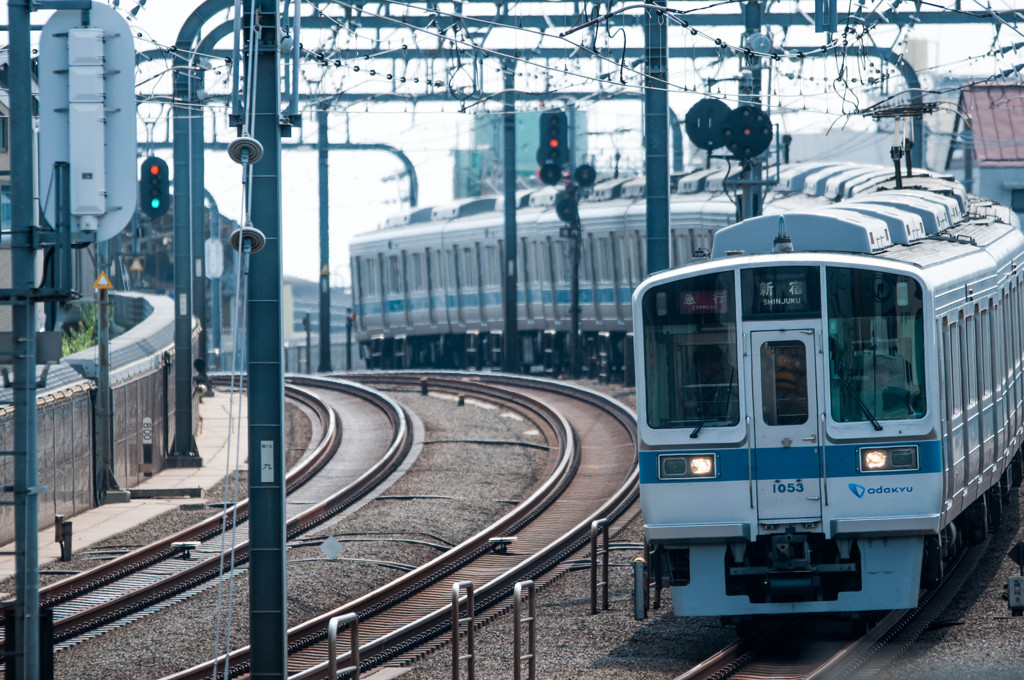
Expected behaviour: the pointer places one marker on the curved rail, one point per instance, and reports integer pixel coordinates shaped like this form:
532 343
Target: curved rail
194 574
307 642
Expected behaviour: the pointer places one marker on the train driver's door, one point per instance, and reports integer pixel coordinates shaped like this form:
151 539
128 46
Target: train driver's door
786 437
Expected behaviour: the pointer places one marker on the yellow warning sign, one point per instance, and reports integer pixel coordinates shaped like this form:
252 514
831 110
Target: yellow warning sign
103 282
325 270
136 266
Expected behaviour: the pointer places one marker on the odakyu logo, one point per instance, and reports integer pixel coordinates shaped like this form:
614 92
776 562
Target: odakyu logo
860 491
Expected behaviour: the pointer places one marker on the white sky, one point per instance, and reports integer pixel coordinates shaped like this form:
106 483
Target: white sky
361 198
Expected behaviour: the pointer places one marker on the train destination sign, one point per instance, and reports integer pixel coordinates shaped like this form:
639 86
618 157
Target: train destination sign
791 291
704 302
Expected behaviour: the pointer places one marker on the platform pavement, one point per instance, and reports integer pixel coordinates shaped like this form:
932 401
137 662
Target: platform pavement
99 524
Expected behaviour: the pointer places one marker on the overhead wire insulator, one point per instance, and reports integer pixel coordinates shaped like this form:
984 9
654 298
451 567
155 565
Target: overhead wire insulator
239 145
248 233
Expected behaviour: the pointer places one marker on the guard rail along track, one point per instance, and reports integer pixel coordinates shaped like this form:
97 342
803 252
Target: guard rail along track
207 569
424 591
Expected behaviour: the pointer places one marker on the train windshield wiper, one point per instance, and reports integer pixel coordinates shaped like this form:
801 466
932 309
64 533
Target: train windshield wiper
717 402
843 382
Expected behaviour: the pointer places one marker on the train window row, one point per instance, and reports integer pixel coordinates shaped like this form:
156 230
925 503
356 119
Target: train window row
987 391
542 263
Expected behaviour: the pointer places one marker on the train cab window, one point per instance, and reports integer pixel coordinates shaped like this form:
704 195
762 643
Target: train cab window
690 358
876 345
784 383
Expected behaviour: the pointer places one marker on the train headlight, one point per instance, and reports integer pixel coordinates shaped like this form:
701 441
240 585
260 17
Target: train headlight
687 466
888 458
702 466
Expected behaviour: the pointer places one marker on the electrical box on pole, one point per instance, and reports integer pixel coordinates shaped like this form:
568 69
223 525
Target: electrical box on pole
87 119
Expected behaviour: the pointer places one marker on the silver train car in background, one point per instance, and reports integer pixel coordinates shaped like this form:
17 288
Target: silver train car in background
833 403
427 286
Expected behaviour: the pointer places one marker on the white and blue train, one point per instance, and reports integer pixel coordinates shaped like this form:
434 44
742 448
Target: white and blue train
427 286
833 402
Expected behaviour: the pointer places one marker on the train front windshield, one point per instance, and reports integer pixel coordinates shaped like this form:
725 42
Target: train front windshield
875 324
876 345
690 353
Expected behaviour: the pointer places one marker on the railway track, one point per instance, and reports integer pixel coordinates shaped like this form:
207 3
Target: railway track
594 477
125 588
819 648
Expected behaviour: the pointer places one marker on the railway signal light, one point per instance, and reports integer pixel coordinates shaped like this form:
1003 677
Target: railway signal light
567 209
154 191
585 175
553 153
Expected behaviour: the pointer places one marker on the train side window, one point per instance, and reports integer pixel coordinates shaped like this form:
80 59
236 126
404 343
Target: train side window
524 260
417 272
562 269
1015 327
956 368
492 266
359 293
370 277
605 265
971 351
985 344
947 369
468 268
453 271
394 279
586 258
616 275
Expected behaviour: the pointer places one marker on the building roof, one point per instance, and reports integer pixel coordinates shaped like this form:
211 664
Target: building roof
996 113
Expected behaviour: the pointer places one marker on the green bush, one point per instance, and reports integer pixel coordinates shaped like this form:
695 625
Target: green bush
84 333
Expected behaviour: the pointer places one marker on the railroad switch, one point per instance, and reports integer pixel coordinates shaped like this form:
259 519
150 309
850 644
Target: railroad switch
186 548
501 543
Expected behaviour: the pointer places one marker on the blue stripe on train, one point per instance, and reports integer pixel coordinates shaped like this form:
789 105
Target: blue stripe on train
491 300
777 463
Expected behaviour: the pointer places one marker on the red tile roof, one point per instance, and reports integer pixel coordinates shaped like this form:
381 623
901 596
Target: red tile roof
996 113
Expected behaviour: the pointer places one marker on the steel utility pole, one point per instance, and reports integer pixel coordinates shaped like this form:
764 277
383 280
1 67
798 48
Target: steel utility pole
268 613
183 451
510 338
750 93
325 243
23 325
656 138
